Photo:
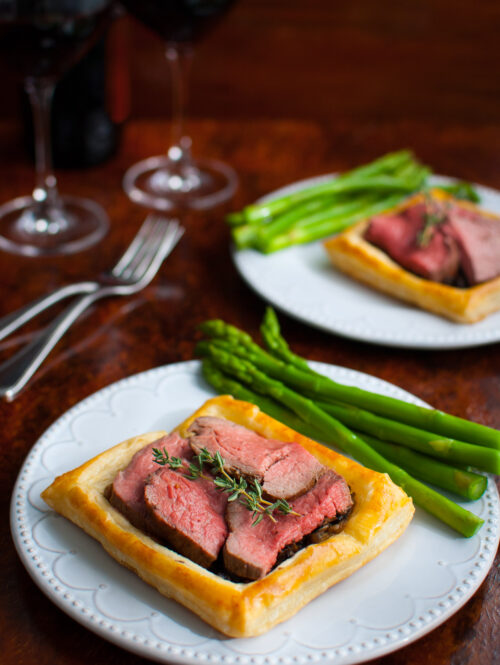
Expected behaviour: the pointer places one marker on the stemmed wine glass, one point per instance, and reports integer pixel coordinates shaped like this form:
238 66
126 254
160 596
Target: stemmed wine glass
177 179
41 40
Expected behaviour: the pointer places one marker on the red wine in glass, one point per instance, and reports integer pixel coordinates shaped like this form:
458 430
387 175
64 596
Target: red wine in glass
41 40
179 21
46 45
176 179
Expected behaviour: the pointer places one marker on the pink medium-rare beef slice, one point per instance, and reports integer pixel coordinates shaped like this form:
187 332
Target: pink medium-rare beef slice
244 451
188 514
251 550
127 490
292 475
286 470
397 234
478 239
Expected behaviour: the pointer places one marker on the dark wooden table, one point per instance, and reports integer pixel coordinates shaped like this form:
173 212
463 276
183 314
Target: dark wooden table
338 101
124 336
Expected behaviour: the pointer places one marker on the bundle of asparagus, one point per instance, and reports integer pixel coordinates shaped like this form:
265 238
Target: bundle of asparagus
320 210
388 435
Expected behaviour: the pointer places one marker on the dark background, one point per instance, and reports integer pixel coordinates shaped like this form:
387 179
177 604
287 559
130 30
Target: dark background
281 90
390 63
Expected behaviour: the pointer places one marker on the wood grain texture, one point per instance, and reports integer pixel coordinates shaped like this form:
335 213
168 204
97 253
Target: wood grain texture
281 91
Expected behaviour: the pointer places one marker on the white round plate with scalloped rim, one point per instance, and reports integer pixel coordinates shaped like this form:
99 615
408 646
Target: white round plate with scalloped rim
408 590
302 282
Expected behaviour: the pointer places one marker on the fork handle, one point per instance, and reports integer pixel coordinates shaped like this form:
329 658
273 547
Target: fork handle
17 371
13 321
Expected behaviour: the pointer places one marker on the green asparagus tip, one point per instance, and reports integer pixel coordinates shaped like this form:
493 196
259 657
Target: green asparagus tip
244 236
235 218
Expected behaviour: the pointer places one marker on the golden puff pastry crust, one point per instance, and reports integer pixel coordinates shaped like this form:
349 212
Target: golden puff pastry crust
355 256
382 512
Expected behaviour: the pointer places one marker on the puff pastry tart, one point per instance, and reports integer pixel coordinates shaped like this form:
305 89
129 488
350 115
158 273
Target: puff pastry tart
380 514
352 253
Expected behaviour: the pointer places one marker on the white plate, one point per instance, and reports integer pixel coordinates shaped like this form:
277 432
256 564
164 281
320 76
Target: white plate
404 593
302 282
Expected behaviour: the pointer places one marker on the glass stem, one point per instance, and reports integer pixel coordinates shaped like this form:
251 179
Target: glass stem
179 57
40 92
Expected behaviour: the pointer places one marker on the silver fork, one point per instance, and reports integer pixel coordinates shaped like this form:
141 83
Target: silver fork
134 271
14 320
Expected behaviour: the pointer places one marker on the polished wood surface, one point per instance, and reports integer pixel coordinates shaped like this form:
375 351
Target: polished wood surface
423 78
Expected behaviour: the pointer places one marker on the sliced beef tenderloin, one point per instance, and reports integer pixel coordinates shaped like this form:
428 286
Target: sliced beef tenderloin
286 470
252 550
478 238
244 451
127 491
397 234
187 514
293 475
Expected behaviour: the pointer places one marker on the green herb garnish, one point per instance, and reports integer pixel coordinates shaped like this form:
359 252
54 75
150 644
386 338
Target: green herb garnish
237 488
434 216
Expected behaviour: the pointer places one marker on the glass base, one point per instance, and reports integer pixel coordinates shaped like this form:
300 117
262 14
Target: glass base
162 184
30 229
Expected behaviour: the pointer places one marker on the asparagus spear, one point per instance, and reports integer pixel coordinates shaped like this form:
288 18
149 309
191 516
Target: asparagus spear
429 443
300 234
387 164
307 207
276 344
324 389
422 440
464 483
328 207
334 432
428 419
235 218
306 214
392 162
469 485
246 235
225 385
298 225
219 329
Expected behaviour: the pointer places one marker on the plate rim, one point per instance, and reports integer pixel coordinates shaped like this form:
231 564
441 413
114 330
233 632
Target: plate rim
461 338
74 610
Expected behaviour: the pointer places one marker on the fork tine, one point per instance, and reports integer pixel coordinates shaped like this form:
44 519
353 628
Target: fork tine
15 373
170 234
140 237
142 258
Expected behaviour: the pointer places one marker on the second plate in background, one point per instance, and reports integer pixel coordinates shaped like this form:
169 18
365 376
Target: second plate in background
302 282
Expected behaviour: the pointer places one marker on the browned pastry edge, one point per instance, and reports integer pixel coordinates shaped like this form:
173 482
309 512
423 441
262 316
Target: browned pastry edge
355 256
381 514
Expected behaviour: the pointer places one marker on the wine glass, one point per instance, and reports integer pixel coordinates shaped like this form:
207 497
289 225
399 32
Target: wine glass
176 179
41 40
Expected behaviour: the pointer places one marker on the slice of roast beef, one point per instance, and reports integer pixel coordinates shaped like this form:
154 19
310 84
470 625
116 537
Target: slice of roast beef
251 550
127 490
397 234
293 475
478 238
187 514
286 470
244 451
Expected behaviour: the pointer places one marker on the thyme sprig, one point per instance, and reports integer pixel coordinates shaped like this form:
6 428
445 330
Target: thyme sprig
163 458
433 216
248 494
